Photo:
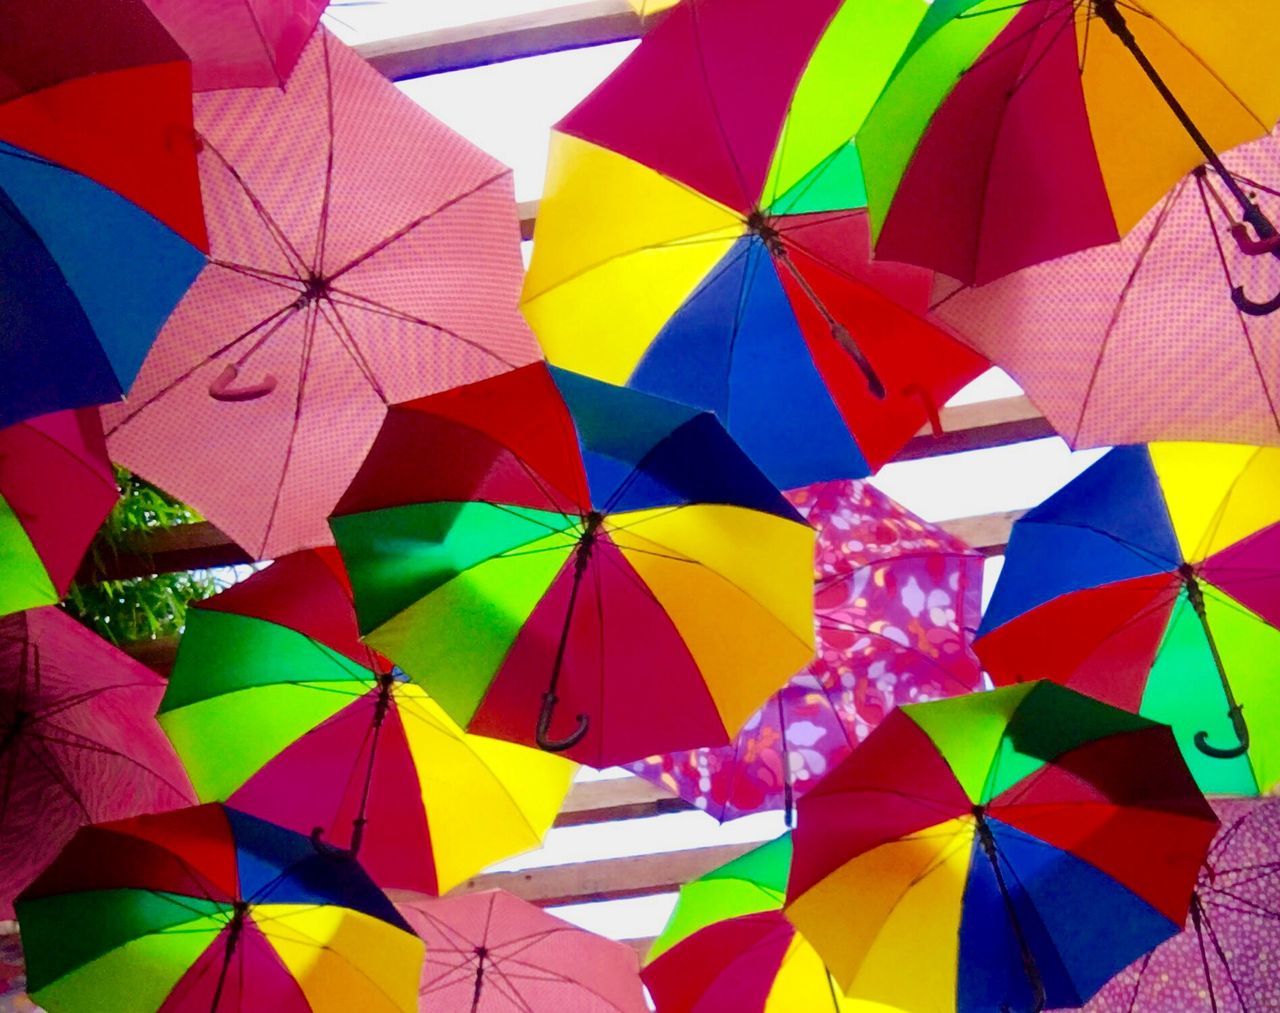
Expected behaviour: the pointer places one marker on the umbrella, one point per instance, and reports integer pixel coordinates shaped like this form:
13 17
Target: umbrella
580 542
1013 133
727 945
895 601
56 489
277 708
362 253
78 741
1230 952
1078 332
240 43
646 7
95 126
491 952
999 851
1150 582
702 237
207 908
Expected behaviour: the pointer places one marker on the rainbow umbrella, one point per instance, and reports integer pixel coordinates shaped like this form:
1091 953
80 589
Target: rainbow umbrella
1015 132
277 708
702 236
896 600
56 489
576 541
210 909
999 851
1154 575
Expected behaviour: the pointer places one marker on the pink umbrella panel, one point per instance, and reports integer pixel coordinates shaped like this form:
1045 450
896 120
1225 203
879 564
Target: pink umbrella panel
363 254
78 742
896 600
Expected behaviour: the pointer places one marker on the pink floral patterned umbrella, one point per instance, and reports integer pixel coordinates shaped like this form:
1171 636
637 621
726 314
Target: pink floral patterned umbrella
1228 958
896 600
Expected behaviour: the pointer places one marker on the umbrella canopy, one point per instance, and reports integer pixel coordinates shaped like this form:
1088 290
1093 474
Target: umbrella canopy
1005 850
95 126
240 43
1230 951
277 708
580 542
1154 576
56 489
78 741
362 253
895 602
208 908
702 236
1012 133
1077 332
491 952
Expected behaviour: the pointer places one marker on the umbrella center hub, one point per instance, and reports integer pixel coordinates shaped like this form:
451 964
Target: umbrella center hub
16 723
761 224
314 287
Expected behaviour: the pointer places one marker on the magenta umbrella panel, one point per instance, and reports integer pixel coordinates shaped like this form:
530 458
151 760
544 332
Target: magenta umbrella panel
362 254
1228 957
78 742
896 601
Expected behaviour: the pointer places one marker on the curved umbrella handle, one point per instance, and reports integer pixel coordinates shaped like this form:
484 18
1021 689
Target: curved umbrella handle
1251 247
1236 714
323 847
542 733
1254 309
222 388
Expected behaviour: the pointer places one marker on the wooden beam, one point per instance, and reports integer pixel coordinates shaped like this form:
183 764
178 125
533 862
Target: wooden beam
594 23
619 798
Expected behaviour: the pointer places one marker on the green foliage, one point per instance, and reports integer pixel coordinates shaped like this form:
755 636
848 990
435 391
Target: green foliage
141 608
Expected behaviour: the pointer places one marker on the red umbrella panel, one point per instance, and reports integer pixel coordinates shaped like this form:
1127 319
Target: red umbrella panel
240 43
896 600
78 741
491 952
362 254
56 489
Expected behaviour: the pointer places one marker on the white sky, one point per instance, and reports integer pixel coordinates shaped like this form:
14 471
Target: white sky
508 110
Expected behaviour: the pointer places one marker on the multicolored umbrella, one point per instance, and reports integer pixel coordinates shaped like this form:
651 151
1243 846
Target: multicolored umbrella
95 126
277 708
728 946
1000 851
702 237
1077 332
240 43
210 909
1228 958
1153 580
573 541
491 952
362 254
1013 133
56 489
78 741
896 600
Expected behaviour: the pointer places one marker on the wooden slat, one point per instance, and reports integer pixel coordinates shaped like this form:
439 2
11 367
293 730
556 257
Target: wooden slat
594 23
608 878
621 798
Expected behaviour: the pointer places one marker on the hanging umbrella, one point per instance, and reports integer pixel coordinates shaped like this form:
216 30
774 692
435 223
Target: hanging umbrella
208 908
1229 954
491 952
702 237
1153 576
240 43
573 541
277 708
362 254
896 600
1079 333
95 127
647 7
727 945
56 489
1000 851
78 741
1012 133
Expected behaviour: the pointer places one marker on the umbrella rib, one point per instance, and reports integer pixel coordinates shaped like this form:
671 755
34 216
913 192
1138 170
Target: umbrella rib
90 746
347 341
326 195
284 281
754 260
1137 981
266 47
1222 958
712 100
48 762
